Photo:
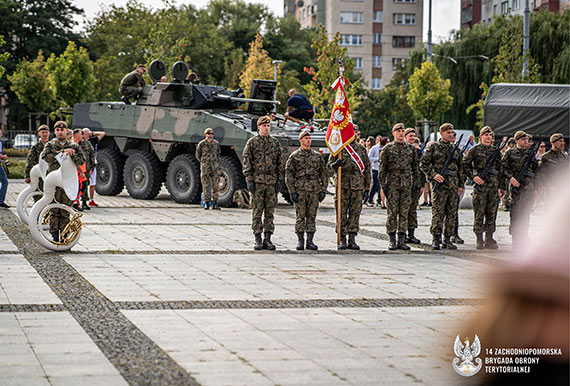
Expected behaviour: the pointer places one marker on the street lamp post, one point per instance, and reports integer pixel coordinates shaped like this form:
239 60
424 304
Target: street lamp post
429 58
526 36
275 64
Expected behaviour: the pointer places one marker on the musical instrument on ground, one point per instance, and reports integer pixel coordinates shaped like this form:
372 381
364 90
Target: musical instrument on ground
23 206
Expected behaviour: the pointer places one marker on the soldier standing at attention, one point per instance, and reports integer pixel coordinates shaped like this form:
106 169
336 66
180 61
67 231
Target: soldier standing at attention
90 163
553 160
418 183
263 171
306 180
208 154
60 218
485 200
132 84
354 189
34 153
444 209
455 239
523 200
398 167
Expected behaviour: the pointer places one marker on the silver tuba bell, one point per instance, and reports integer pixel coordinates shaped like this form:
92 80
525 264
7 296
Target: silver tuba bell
24 204
38 220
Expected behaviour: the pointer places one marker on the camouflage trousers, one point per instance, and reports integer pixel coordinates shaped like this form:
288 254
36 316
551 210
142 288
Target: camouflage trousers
413 212
59 218
130 92
350 208
264 202
306 211
444 211
521 207
485 205
210 184
398 202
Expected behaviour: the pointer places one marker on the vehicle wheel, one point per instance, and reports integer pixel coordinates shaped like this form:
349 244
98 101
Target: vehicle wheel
143 175
231 179
287 197
183 179
110 164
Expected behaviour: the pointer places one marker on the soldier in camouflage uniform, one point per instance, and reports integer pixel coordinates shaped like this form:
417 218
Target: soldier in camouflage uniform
418 184
444 209
486 200
455 239
354 189
132 84
89 154
34 156
60 218
306 180
523 200
208 154
396 173
263 171
552 162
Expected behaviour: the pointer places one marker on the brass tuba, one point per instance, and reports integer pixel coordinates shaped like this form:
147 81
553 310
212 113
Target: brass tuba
23 204
38 220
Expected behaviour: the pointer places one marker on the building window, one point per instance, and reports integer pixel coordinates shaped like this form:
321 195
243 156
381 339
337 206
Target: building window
377 38
404 1
404 18
516 4
376 83
350 40
357 63
403 41
377 17
351 17
304 16
396 62
376 61
504 7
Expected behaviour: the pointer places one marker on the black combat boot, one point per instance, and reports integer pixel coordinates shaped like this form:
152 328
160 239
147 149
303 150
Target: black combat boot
352 241
56 236
448 244
393 245
455 238
300 241
402 242
267 244
342 244
215 205
480 244
258 242
411 239
207 205
125 100
310 245
490 243
435 244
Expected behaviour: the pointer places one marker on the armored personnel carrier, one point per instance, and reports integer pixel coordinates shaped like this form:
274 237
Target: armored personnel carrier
153 141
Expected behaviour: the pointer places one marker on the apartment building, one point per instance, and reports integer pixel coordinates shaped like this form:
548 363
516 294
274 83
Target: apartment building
483 11
378 34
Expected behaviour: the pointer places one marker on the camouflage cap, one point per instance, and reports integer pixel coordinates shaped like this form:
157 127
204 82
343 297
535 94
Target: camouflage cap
556 137
520 134
398 126
263 120
208 130
445 127
304 133
60 124
43 127
485 130
409 130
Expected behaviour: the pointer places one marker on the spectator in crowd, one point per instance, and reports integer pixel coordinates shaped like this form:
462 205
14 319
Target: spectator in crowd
541 150
298 108
94 138
3 176
470 143
374 157
369 143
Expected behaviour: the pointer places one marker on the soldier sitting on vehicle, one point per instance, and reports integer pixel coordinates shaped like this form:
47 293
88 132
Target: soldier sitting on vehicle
132 84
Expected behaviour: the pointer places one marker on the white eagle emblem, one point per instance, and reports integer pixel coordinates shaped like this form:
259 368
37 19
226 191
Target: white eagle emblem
468 355
337 116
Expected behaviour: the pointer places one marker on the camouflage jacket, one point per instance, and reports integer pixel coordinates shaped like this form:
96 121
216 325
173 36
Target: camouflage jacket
53 148
398 165
552 162
351 177
262 161
132 79
512 162
475 161
208 154
89 154
433 159
305 170
33 157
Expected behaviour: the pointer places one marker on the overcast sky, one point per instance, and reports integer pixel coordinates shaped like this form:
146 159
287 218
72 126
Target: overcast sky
445 13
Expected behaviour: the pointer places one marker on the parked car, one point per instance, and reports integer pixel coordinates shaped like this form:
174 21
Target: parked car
25 141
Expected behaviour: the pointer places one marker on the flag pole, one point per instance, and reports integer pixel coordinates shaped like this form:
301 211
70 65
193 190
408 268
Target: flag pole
339 177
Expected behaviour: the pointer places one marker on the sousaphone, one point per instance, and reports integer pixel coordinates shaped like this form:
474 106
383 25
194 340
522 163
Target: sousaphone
24 202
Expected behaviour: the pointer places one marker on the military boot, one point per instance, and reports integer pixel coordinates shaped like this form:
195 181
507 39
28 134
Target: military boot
215 205
342 244
448 244
411 239
56 236
480 244
393 245
455 238
267 244
258 242
125 100
206 205
402 242
435 244
490 243
310 245
300 241
352 241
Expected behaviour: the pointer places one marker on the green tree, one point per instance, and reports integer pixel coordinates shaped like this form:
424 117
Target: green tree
72 75
257 66
3 57
32 84
233 67
478 108
429 94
